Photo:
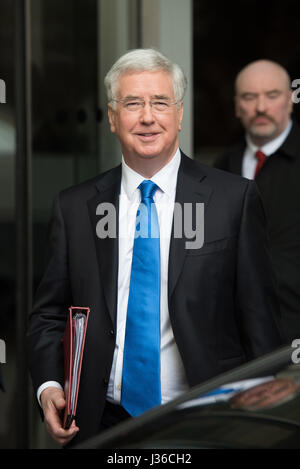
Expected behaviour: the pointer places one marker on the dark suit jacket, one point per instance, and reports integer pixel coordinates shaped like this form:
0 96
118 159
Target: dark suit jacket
279 185
221 297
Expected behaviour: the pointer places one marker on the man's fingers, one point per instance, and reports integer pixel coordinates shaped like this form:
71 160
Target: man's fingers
62 437
53 403
59 434
55 428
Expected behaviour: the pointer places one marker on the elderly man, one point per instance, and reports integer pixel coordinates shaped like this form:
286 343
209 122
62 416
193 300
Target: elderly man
167 312
270 153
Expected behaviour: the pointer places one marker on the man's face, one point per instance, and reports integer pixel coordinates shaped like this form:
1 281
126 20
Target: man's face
146 134
263 102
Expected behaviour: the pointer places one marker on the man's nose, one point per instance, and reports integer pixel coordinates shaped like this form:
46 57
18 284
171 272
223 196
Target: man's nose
261 104
147 115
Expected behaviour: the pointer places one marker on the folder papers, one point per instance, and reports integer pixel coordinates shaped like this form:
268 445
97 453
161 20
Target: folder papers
73 343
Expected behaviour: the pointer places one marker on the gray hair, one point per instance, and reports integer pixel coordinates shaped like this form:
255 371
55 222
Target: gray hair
138 60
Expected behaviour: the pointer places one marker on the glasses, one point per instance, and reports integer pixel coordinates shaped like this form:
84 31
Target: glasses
136 105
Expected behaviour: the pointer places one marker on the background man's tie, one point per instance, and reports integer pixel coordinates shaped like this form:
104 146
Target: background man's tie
141 366
261 158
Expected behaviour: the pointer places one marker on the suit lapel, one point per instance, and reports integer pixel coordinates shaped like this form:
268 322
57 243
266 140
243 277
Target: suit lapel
191 188
108 191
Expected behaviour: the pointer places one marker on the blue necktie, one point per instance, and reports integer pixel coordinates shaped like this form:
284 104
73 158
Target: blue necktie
141 366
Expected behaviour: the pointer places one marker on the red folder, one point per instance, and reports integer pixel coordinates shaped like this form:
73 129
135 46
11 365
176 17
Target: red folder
73 344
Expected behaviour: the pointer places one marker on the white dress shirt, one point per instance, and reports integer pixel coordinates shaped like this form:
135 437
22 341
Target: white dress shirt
173 380
249 159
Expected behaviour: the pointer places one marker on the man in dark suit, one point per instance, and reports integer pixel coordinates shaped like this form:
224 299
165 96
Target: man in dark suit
217 304
263 103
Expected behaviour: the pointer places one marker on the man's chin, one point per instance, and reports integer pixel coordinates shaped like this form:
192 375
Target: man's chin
149 154
262 132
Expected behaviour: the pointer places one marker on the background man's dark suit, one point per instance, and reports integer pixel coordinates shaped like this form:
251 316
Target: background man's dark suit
221 297
279 185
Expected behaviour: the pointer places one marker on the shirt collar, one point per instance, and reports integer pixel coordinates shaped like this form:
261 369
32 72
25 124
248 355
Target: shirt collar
270 147
165 178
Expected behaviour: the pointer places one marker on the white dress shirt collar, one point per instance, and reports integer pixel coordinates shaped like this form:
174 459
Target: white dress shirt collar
165 178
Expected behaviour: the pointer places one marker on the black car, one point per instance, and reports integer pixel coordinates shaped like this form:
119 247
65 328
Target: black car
256 405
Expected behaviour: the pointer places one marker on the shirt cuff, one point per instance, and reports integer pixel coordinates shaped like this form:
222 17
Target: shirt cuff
45 385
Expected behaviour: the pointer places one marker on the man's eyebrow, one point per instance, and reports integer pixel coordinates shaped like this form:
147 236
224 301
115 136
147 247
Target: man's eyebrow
275 90
253 93
130 96
156 96
248 93
161 96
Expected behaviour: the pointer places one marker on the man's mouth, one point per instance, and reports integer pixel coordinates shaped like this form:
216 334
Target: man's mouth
147 135
262 120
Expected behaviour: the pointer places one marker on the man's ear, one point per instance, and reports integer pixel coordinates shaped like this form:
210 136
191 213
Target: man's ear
291 102
111 118
180 114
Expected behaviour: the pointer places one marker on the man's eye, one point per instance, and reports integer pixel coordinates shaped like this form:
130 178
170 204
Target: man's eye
273 95
132 104
160 104
248 97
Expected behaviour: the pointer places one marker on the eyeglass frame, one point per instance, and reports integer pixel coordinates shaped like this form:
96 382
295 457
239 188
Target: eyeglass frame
123 101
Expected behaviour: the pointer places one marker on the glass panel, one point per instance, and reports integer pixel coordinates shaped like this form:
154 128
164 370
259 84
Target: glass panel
65 117
7 226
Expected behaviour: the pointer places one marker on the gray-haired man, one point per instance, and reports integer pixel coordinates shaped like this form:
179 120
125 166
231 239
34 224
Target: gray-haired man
215 304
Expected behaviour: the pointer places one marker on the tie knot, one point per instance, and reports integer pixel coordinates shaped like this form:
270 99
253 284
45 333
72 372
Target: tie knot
260 156
148 189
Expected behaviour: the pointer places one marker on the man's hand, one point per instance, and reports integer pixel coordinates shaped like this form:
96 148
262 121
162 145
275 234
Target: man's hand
53 402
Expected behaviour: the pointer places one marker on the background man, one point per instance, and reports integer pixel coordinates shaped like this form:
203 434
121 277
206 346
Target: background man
211 308
263 103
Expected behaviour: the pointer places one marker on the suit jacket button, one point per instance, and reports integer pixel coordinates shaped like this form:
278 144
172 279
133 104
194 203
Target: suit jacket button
105 380
111 332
